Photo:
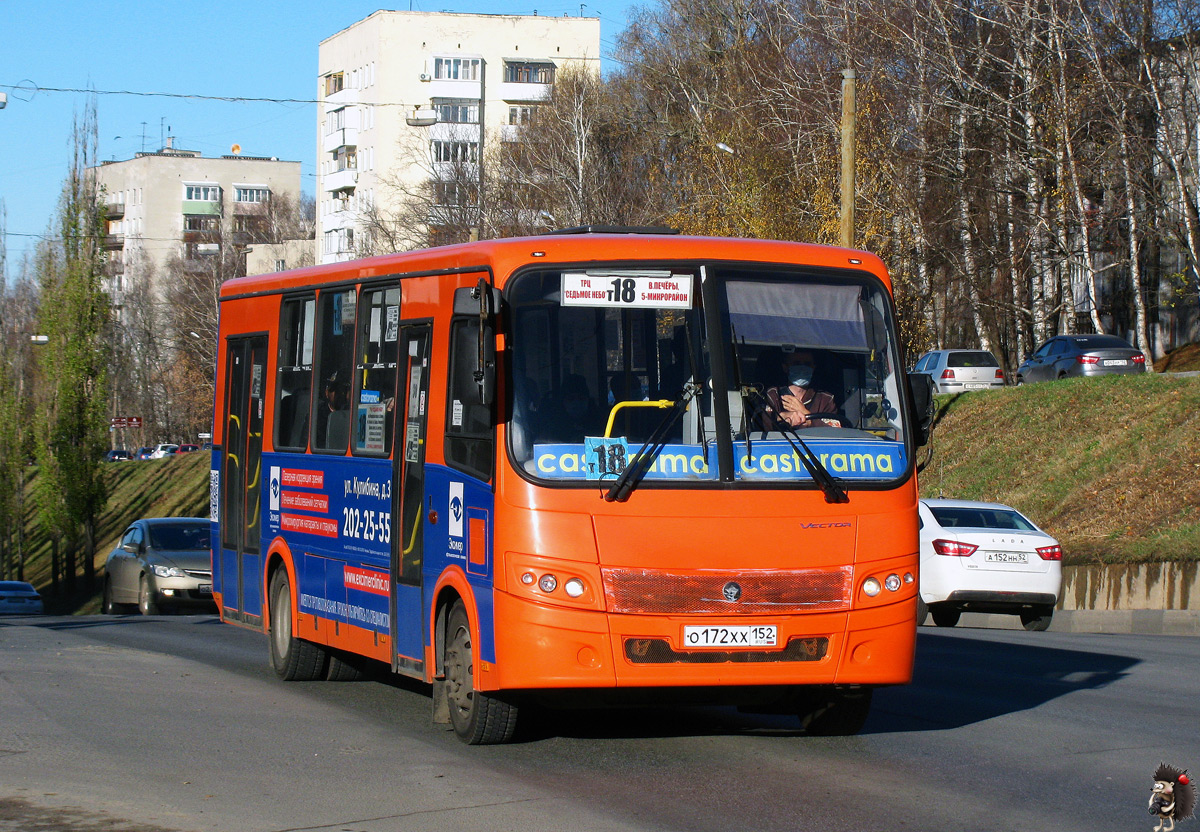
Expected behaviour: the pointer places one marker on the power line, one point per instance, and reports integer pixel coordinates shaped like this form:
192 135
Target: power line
35 89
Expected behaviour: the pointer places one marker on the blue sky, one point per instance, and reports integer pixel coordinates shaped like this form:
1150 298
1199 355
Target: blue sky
218 48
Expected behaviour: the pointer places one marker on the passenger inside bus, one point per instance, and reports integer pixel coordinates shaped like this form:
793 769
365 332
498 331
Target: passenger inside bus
337 405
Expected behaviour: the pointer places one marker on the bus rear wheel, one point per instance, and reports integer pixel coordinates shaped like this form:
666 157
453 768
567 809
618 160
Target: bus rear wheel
478 719
294 659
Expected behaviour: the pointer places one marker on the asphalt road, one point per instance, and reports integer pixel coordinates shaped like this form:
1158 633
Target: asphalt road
172 724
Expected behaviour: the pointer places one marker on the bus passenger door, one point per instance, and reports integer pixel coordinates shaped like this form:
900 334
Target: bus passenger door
241 480
408 496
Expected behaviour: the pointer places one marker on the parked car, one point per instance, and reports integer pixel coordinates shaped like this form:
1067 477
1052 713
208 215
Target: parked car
163 450
116 455
144 453
1067 356
954 371
161 564
19 597
985 557
187 449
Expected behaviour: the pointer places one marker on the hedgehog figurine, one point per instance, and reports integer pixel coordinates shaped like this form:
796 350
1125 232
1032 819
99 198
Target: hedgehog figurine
1172 798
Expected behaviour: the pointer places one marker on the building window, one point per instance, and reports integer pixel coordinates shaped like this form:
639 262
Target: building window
528 73
201 223
454 194
520 115
251 194
280 265
203 193
334 83
455 151
456 69
345 158
456 110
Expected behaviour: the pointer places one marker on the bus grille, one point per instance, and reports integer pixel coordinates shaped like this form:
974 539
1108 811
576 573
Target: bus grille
765 592
658 651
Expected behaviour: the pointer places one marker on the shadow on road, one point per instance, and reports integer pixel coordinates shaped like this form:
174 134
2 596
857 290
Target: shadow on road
959 681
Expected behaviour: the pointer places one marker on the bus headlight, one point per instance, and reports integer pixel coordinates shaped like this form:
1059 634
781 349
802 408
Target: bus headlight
871 587
574 587
892 583
548 583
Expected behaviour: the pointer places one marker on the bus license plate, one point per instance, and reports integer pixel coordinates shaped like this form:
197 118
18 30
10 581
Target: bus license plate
760 635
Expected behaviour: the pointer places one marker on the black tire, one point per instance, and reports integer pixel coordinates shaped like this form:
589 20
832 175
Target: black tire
147 603
922 611
835 712
344 667
293 659
945 617
478 718
1037 620
111 607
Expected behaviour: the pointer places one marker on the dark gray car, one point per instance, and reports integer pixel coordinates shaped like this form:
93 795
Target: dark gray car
161 564
1067 356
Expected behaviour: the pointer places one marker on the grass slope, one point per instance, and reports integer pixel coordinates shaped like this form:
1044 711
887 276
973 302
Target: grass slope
1110 466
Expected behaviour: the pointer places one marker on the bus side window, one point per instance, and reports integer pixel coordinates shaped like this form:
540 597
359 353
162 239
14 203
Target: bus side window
469 435
375 371
295 373
336 317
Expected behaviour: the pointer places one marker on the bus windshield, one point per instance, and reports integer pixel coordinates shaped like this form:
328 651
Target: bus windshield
599 357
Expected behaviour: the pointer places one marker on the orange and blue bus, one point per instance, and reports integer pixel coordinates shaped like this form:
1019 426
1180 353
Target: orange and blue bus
555 468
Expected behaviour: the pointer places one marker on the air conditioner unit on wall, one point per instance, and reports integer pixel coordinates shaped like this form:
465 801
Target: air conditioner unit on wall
425 76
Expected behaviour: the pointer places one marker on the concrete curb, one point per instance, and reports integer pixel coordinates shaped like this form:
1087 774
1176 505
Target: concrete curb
1117 622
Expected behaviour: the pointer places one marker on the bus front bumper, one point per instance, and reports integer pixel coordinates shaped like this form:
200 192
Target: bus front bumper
543 647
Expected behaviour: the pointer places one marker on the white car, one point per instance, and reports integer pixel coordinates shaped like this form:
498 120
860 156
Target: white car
164 450
985 557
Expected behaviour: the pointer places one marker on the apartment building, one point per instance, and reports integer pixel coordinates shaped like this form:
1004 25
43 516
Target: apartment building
406 97
177 203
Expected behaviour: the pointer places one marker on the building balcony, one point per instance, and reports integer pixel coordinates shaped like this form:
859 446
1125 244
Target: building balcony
202 236
249 209
114 210
342 180
196 207
346 137
443 88
113 241
521 92
341 98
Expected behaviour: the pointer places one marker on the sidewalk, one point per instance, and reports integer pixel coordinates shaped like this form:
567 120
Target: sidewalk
1140 622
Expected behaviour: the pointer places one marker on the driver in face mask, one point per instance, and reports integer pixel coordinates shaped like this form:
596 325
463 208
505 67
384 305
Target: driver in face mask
799 404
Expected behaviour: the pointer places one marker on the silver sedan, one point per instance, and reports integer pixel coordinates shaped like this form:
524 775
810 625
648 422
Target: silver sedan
1068 356
161 564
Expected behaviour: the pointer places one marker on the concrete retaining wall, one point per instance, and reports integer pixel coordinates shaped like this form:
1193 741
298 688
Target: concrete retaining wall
1141 586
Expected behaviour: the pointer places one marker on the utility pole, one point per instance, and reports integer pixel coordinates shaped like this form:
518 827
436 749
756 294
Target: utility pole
848 153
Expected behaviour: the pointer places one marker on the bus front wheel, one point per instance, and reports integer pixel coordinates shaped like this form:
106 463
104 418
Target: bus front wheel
293 659
835 712
478 719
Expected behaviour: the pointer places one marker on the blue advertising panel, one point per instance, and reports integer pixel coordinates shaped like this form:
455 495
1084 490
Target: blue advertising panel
336 514
851 459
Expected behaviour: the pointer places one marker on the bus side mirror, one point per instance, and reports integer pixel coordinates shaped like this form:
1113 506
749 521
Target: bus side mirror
920 393
485 370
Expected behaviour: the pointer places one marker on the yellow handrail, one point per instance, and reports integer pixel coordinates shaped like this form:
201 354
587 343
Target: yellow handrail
612 414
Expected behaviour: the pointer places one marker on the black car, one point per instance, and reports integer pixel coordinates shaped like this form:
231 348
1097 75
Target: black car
1067 356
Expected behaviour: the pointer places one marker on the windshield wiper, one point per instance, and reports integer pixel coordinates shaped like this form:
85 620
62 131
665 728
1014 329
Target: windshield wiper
834 493
633 473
